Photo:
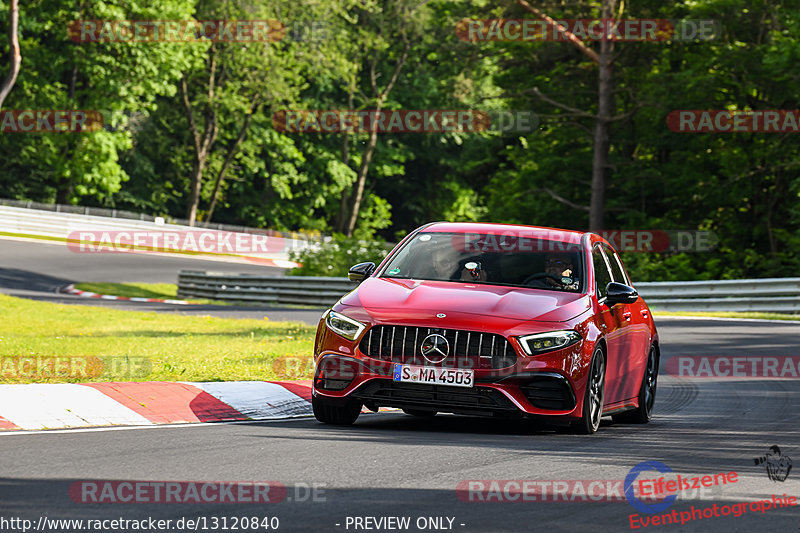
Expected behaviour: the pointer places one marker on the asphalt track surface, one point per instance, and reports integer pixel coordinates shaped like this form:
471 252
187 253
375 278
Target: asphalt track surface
39 269
391 464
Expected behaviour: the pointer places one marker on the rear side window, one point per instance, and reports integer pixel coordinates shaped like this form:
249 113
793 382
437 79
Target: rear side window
601 274
616 266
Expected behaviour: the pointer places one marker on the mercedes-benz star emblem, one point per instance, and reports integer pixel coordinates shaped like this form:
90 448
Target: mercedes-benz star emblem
435 348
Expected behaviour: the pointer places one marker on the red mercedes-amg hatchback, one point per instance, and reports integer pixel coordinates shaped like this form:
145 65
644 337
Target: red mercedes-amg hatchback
490 319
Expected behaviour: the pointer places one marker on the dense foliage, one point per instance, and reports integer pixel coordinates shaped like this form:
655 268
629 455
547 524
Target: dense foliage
335 257
342 54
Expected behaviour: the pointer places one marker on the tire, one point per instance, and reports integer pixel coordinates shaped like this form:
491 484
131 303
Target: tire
420 413
335 413
647 394
593 397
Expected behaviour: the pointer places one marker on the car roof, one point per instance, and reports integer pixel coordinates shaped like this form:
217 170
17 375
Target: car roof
493 228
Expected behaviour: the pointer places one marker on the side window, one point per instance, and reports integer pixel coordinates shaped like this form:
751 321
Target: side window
616 266
601 274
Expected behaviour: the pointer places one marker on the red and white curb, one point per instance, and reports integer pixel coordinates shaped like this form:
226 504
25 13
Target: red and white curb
70 289
71 405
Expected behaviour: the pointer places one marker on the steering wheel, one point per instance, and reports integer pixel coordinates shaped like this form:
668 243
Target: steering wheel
540 275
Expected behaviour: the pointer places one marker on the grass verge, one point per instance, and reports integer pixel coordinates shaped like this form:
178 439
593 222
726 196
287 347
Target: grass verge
729 314
161 291
164 291
53 343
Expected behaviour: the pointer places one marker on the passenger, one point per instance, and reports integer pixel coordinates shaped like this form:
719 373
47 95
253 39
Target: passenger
558 266
473 271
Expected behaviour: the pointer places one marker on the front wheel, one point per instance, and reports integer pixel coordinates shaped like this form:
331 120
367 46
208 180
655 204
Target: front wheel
593 398
647 394
336 413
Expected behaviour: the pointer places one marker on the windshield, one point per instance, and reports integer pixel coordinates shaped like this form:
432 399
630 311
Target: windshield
490 259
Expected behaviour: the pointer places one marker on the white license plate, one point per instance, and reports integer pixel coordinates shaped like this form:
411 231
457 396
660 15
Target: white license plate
433 375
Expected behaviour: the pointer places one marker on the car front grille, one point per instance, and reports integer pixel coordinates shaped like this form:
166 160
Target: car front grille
467 349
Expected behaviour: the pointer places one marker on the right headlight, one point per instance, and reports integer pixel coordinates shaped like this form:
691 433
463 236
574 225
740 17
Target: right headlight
547 342
343 325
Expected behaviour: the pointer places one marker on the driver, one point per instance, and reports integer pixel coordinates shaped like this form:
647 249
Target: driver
444 259
557 265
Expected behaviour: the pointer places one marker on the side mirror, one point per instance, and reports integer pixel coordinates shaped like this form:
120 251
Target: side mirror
361 271
619 293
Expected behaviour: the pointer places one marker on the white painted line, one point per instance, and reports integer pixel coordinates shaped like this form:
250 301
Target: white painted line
656 316
258 399
10 433
45 405
70 289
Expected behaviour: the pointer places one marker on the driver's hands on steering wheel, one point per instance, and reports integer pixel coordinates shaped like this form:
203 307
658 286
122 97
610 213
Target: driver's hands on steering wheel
541 275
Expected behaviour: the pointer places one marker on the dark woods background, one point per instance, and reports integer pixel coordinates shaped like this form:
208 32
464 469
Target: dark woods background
189 125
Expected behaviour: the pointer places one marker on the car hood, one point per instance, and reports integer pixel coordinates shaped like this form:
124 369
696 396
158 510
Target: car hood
405 296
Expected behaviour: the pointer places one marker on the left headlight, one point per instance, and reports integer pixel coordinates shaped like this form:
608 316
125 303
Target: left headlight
344 326
547 342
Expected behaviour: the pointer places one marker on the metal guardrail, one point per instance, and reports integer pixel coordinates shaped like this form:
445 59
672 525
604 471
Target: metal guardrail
62 224
106 213
773 294
304 290
779 295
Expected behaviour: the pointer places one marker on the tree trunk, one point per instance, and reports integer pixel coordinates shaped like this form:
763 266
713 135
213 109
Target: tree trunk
14 51
229 158
602 129
202 144
361 181
342 219
195 189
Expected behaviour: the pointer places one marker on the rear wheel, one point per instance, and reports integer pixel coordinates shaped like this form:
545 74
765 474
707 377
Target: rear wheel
647 394
593 398
336 413
419 412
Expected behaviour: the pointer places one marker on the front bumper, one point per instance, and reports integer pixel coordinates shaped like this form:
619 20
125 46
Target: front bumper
514 391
